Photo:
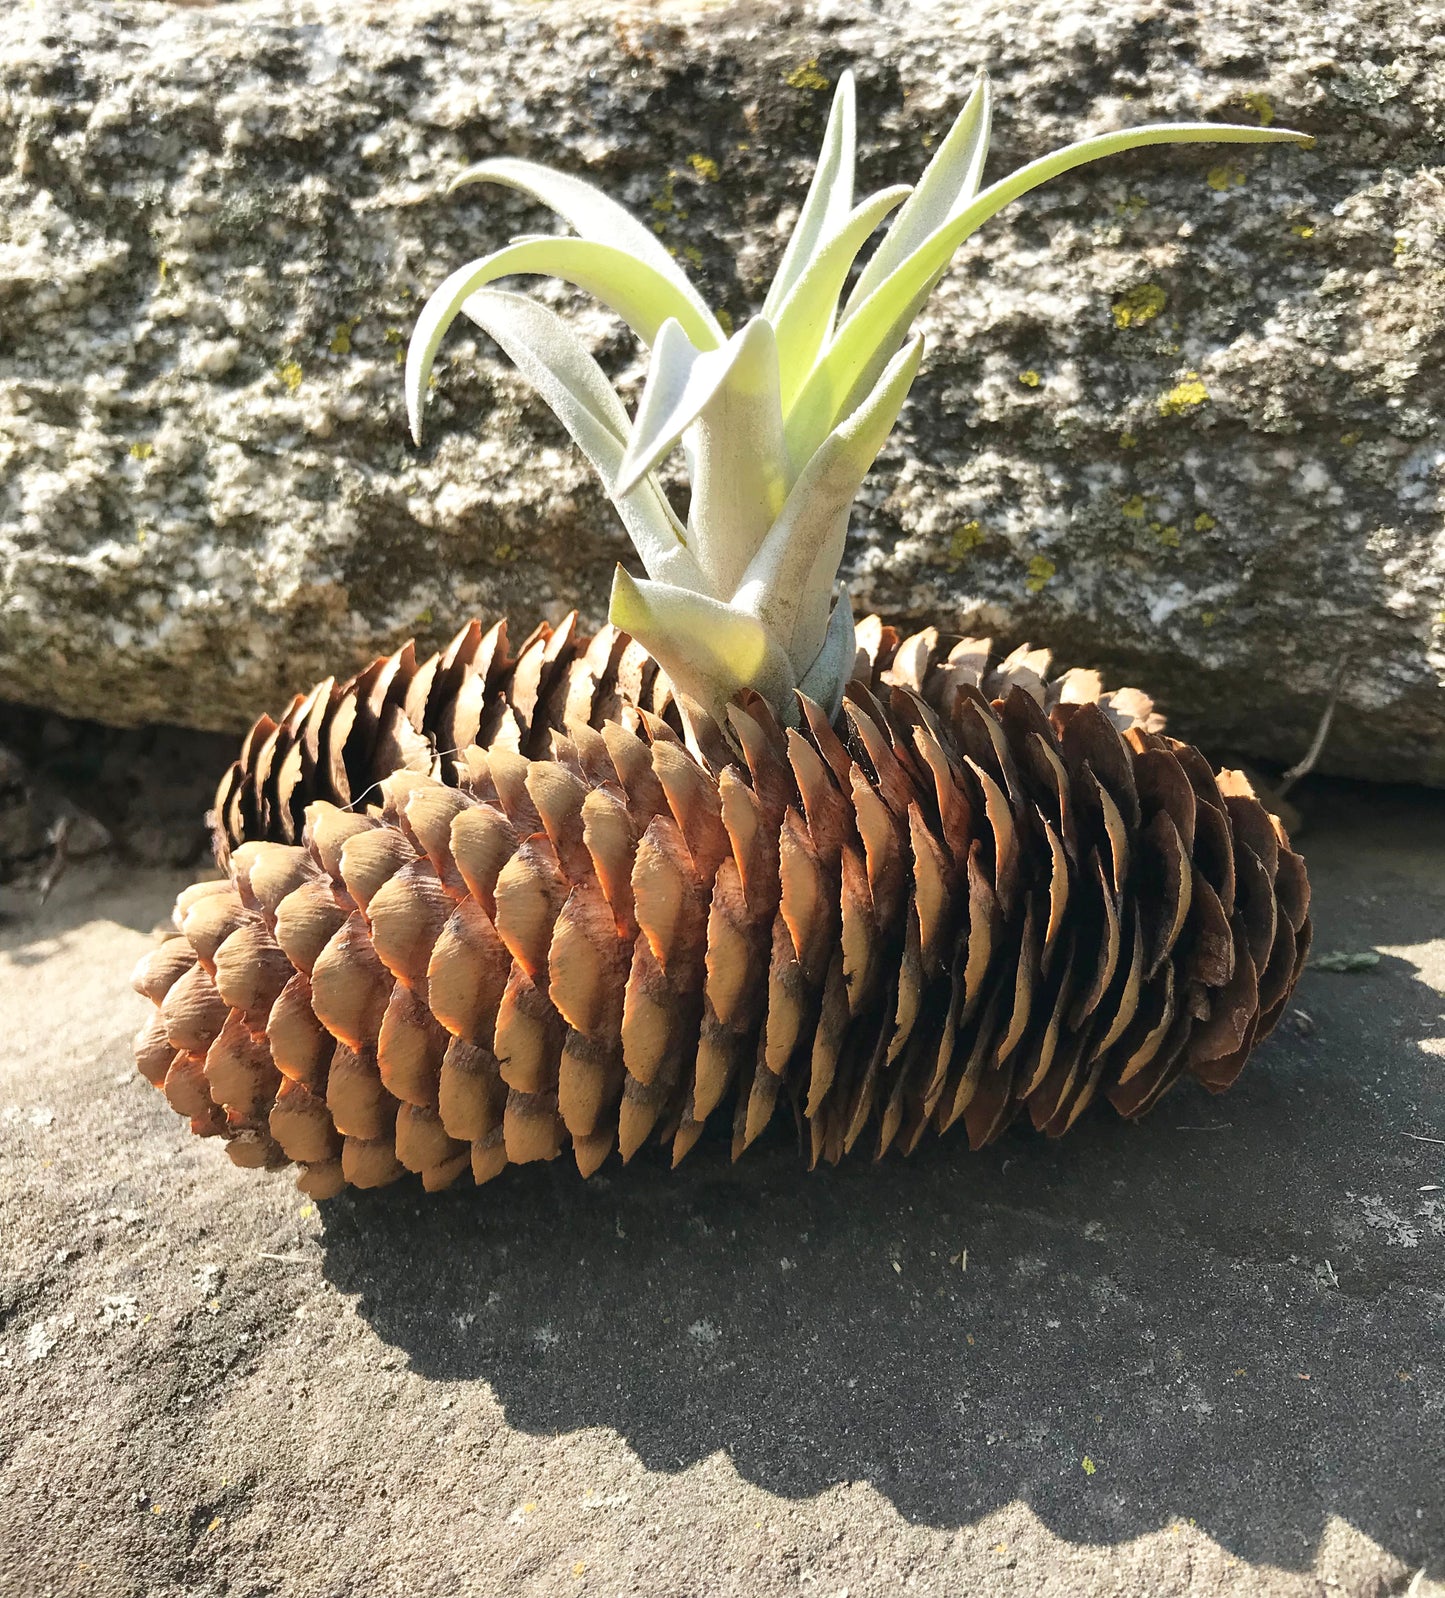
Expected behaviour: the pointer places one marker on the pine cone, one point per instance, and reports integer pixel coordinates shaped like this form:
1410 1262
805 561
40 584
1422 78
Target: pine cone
975 894
339 741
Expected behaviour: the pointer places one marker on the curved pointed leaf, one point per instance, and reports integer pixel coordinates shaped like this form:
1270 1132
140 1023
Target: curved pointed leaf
950 179
643 298
827 677
868 336
830 194
680 381
805 319
710 649
740 468
595 216
549 355
672 395
789 582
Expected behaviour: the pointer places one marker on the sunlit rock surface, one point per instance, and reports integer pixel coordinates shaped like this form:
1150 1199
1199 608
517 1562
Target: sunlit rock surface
1182 414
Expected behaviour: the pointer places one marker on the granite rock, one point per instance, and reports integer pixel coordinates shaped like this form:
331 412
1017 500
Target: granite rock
1182 415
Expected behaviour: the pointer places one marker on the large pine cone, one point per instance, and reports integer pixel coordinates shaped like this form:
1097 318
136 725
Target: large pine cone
949 908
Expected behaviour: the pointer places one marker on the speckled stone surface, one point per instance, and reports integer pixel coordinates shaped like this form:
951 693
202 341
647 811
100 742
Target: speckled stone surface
1196 1357
1181 414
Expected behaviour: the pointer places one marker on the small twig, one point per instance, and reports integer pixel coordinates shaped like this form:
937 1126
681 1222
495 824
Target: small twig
284 1259
59 840
1419 1139
1312 754
1223 1126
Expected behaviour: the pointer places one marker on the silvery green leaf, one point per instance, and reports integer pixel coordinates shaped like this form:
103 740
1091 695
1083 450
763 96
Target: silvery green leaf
709 649
678 384
827 677
804 321
867 337
830 195
725 403
548 354
740 469
641 296
596 217
789 582
949 182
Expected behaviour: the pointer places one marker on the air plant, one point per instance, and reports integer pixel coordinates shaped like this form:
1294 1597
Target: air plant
780 422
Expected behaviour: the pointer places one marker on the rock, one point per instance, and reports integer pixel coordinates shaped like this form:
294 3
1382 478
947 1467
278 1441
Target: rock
1181 416
1199 1357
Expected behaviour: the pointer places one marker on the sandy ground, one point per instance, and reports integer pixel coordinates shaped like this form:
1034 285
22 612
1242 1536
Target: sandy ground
1203 1354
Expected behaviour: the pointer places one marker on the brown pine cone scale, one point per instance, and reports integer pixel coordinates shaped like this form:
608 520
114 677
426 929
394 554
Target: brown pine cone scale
979 892
340 741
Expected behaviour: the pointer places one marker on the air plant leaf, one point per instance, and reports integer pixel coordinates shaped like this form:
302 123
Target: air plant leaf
950 179
829 199
549 355
780 422
804 321
826 678
642 297
680 381
709 649
740 468
593 216
789 582
867 337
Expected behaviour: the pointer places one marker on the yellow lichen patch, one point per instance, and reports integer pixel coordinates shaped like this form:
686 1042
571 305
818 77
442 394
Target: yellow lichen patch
1221 178
807 76
1349 440
1302 230
665 200
1168 535
1030 378
1184 396
1131 206
692 254
705 167
1041 572
290 374
1089 1466
141 451
964 540
1139 305
1208 618
163 270
341 339
1127 440
1133 508
1204 522
1262 106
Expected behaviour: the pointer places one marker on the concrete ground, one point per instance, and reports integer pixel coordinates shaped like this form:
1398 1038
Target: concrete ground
1203 1354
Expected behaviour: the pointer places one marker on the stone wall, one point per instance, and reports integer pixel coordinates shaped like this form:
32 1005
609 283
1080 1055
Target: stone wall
1182 415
